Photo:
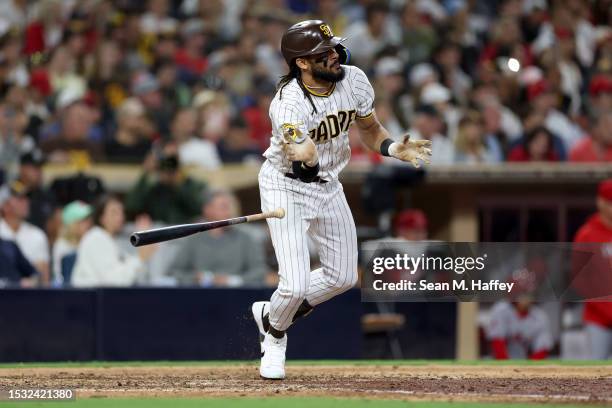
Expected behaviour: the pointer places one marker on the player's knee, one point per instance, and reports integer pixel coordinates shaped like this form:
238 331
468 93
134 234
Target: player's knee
348 282
296 294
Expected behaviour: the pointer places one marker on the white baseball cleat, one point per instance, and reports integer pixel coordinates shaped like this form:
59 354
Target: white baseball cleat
260 309
272 365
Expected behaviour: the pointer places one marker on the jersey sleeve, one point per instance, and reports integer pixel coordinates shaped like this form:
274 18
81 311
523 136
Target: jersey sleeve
363 91
286 114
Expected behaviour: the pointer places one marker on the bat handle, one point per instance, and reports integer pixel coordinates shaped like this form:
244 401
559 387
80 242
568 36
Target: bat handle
278 213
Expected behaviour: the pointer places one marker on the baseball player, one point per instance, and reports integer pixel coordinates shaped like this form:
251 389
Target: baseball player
519 330
315 104
596 282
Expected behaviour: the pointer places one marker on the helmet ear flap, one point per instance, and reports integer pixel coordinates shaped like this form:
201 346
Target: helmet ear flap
344 53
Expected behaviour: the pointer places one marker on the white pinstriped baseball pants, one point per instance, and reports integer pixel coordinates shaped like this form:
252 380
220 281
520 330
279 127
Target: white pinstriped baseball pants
321 211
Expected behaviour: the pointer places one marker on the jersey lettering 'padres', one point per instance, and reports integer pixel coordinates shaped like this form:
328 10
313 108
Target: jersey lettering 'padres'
316 209
328 127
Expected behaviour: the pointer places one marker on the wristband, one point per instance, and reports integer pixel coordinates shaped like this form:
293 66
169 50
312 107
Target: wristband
384 147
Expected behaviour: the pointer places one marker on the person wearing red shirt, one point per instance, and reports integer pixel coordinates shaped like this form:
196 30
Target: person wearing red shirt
598 314
598 147
518 328
537 146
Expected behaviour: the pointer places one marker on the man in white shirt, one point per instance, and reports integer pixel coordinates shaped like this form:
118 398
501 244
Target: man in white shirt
31 240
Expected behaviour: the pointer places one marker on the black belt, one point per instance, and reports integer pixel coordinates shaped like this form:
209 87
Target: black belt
317 179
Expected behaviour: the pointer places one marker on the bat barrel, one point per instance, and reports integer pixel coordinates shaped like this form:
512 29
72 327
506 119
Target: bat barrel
165 234
153 236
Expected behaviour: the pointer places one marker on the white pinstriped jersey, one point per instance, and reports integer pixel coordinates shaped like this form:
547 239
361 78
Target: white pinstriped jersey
350 98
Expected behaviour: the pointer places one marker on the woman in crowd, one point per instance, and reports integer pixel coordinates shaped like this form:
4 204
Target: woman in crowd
100 260
537 146
472 145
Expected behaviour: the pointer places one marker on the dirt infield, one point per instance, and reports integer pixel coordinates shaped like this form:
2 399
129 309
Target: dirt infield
555 383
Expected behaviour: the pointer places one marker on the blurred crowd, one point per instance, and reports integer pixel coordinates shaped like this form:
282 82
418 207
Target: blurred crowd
172 83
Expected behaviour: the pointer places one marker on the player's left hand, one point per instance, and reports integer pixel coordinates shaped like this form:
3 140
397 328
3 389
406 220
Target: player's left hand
413 151
306 151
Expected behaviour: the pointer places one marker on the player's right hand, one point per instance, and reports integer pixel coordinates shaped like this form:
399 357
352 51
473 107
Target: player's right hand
306 151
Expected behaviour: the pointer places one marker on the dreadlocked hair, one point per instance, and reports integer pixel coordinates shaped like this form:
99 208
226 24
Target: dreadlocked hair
294 73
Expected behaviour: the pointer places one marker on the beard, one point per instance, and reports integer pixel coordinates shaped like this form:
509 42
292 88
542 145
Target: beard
329 76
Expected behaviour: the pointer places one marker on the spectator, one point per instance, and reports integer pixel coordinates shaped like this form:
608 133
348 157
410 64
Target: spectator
237 146
411 225
427 125
598 146
31 240
537 146
191 59
16 269
257 117
418 36
448 59
72 143
76 221
100 261
13 140
472 145
193 151
593 283
132 140
163 192
214 115
440 97
545 100
222 257
42 201
175 93
600 93
390 89
146 88
366 38
156 18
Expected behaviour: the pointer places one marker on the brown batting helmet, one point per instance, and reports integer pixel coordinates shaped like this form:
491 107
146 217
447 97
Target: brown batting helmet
311 37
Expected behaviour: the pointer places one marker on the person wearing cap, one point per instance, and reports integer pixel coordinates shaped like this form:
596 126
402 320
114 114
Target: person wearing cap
598 315
76 221
42 200
31 240
411 225
145 87
163 191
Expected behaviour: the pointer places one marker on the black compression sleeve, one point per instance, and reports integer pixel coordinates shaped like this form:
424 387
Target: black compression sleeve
304 172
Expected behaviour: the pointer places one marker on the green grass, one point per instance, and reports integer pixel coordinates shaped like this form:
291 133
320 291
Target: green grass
281 402
306 362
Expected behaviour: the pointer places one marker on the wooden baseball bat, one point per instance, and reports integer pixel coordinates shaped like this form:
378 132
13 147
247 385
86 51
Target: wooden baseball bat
152 236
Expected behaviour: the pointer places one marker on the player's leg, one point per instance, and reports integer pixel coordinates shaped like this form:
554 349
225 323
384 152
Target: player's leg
291 249
334 232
